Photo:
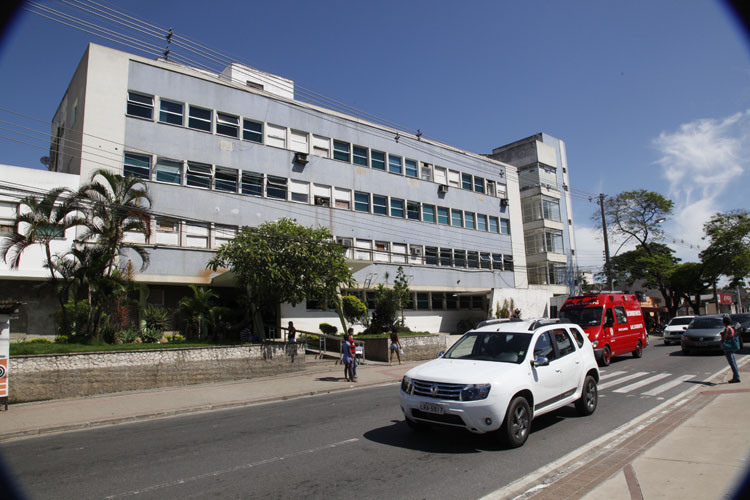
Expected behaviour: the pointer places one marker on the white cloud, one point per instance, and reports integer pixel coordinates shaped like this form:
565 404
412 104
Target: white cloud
701 161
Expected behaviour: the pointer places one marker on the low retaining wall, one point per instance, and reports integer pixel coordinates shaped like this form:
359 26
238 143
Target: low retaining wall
415 348
54 376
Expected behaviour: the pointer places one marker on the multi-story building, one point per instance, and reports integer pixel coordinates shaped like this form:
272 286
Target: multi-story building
222 151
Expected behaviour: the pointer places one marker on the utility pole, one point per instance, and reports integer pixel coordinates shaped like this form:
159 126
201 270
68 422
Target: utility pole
607 269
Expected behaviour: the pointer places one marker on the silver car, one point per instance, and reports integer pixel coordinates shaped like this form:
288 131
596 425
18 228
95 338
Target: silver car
673 331
704 334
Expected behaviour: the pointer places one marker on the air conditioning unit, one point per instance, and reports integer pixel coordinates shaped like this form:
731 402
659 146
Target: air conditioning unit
322 201
345 242
442 188
301 158
416 251
503 202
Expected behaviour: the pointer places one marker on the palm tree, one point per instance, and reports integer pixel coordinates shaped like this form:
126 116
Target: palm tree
117 205
43 220
197 309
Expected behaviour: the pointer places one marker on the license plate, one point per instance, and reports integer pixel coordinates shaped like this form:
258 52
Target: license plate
432 408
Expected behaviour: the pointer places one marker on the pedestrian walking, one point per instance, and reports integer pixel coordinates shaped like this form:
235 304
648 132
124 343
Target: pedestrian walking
348 359
731 343
395 346
291 333
353 349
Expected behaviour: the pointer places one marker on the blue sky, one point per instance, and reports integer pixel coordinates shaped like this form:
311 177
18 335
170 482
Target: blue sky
646 94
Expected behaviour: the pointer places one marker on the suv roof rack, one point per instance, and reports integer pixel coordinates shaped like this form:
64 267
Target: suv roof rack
541 322
496 321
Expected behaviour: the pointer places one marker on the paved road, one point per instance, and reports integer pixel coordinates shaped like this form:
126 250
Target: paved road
345 445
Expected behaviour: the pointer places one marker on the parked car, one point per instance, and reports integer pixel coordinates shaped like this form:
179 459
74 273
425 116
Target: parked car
499 377
742 324
704 334
673 330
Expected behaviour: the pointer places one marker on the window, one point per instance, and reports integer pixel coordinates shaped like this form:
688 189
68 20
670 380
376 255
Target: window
225 179
382 251
412 210
494 225
168 170
491 188
200 119
451 301
8 214
553 241
300 191
431 256
140 105
359 155
441 175
363 251
227 124
361 201
321 146
395 165
428 213
438 301
472 259
459 258
482 222
454 178
252 184
443 217
466 182
557 274
479 184
276 187
485 261
544 347
497 261
457 218
198 175
622 317
196 235
423 300
322 195
551 209
446 257
171 112
137 166
426 174
469 220
397 208
379 205
167 231
564 344
504 226
252 131
275 136
298 141
410 167
464 302
224 234
398 253
341 151
378 160
508 262
343 198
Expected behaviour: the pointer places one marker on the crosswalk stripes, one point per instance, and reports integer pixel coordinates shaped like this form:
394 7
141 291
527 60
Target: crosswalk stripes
619 377
605 376
621 380
642 383
665 387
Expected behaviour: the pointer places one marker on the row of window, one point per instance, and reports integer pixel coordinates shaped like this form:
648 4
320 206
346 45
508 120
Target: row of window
229 125
551 273
420 301
536 208
401 253
231 180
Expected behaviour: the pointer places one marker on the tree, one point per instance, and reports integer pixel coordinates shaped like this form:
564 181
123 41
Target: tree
728 252
355 311
196 309
401 288
283 261
40 221
116 205
689 280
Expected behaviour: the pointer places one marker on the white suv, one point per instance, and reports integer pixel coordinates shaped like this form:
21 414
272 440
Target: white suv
498 377
674 330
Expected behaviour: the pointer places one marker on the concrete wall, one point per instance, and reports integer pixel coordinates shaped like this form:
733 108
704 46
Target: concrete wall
55 376
415 348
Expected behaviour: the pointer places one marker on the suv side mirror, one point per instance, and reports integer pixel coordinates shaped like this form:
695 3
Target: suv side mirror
440 354
540 361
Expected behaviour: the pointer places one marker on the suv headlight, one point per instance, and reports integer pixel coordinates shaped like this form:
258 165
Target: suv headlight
475 392
406 385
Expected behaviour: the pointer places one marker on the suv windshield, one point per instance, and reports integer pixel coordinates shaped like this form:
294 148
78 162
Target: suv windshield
680 321
740 318
707 323
491 346
583 316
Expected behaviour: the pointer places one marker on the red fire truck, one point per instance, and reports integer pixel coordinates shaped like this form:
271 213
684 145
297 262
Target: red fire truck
613 322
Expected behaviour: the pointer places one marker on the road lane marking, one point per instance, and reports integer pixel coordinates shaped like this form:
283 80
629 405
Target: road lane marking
608 375
205 475
642 383
621 380
665 387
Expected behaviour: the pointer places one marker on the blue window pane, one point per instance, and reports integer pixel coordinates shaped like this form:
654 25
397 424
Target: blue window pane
479 184
137 166
457 218
378 160
504 226
411 168
360 156
361 202
428 213
394 164
443 215
252 184
379 205
397 208
466 181
469 220
412 210
482 222
341 151
169 171
494 226
252 131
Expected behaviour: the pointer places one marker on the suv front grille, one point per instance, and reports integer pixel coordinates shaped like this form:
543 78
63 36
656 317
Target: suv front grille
437 390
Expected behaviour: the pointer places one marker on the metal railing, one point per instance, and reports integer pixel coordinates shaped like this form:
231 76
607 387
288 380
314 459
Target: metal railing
320 343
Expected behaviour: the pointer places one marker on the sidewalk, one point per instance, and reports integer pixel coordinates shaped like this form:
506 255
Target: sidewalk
692 447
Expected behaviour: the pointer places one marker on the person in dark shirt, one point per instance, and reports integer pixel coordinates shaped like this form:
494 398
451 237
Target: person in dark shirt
395 346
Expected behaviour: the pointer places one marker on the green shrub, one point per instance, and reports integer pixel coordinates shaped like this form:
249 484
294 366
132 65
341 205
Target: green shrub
128 335
156 317
61 339
175 338
328 329
355 311
151 335
38 340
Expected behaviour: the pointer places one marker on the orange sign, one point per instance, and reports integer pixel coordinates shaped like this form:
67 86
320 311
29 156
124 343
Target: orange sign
3 378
